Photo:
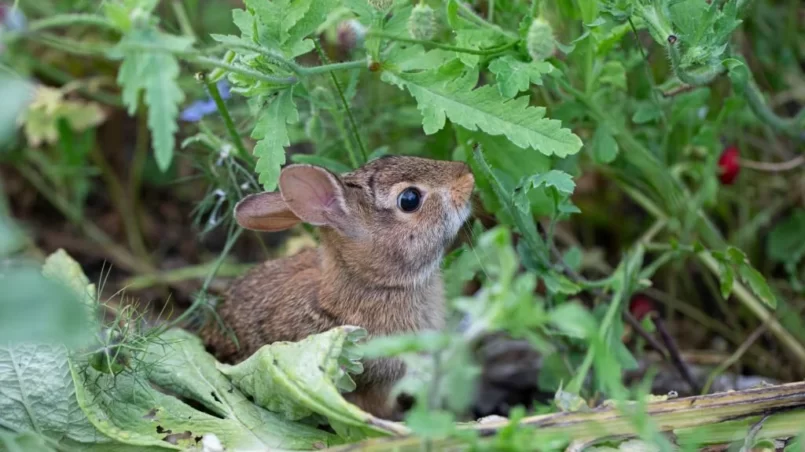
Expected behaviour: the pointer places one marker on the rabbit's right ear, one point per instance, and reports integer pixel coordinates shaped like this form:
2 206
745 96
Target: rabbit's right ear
265 212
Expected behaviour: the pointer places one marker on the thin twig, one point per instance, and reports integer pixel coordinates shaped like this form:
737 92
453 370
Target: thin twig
676 357
774 167
739 352
350 117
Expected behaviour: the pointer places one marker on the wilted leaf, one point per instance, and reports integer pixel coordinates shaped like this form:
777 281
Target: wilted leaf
127 408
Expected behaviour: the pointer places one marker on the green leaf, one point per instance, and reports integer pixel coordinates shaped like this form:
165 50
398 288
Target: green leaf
758 284
272 132
440 98
431 424
613 74
285 24
297 379
156 73
128 408
559 180
785 243
513 75
474 38
47 305
37 394
726 276
574 320
604 147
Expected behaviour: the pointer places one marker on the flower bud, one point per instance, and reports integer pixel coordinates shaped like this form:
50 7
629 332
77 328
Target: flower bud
421 24
539 41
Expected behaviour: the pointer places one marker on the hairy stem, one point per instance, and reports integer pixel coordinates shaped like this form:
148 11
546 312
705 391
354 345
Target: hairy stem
344 102
393 37
230 125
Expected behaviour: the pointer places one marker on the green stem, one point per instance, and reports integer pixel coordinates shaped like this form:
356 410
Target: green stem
350 117
230 125
478 20
201 299
791 126
212 62
67 20
393 37
184 274
182 18
290 64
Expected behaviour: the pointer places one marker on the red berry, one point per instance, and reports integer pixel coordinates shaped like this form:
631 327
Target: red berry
640 306
729 165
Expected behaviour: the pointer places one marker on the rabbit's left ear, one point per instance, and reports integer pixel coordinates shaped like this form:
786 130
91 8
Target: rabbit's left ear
314 195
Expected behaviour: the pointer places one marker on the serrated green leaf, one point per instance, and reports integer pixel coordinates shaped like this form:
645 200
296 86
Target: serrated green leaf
758 284
474 38
431 424
484 108
156 73
271 130
604 147
513 75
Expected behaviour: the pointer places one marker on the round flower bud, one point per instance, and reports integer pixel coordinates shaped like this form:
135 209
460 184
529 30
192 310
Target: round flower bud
421 24
539 41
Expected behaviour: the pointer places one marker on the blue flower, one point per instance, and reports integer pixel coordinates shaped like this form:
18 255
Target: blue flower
201 108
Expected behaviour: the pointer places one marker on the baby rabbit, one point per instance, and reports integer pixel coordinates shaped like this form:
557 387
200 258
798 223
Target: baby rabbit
383 231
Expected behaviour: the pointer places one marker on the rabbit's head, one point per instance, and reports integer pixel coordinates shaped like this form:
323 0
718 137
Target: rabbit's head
387 222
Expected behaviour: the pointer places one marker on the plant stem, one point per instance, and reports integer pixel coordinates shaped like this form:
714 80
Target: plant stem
183 19
344 102
184 274
393 37
66 20
230 125
478 20
212 62
141 147
122 203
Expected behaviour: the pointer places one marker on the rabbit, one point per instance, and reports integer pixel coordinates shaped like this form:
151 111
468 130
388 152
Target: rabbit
383 230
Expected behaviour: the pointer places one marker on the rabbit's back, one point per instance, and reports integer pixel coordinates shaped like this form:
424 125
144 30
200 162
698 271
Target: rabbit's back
275 301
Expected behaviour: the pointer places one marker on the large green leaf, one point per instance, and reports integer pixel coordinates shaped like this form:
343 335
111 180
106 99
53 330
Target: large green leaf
45 305
156 73
272 132
36 389
301 378
441 96
127 408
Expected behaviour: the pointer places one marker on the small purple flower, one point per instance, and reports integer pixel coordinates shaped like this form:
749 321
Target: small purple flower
201 108
12 19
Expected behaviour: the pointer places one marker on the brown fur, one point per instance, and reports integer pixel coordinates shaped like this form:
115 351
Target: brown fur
377 266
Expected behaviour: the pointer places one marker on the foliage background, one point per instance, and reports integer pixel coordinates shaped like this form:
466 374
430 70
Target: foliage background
130 128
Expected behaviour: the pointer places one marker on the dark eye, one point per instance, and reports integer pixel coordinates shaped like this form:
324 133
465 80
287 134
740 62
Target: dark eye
409 200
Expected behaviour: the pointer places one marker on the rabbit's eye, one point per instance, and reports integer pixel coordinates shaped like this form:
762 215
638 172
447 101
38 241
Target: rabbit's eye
409 200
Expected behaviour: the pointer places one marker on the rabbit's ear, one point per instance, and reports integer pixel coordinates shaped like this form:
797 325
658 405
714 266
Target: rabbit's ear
265 212
315 195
